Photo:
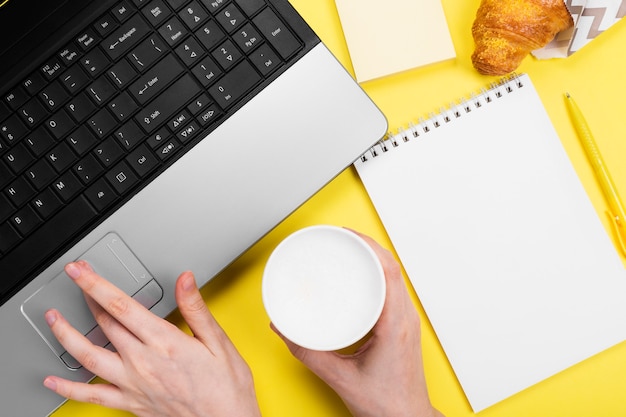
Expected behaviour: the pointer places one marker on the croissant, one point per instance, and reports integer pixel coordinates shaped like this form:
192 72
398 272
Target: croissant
505 31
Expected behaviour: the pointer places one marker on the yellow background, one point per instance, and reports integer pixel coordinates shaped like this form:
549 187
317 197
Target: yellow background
595 76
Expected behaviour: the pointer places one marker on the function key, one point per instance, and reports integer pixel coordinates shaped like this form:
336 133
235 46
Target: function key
16 97
250 7
52 68
33 84
156 12
123 11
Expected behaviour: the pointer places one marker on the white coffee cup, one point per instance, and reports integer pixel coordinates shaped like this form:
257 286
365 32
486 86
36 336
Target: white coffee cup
324 288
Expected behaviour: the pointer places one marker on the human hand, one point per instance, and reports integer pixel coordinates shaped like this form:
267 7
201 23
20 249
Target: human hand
385 376
158 370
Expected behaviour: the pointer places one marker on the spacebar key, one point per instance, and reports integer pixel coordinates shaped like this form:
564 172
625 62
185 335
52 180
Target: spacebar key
41 244
164 106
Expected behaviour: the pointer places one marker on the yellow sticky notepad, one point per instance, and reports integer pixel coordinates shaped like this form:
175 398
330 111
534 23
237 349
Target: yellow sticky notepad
394 35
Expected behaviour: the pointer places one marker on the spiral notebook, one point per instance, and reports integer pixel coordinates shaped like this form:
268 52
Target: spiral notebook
514 269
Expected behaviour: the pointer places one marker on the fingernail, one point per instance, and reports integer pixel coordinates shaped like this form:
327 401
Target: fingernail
51 317
72 270
189 282
50 383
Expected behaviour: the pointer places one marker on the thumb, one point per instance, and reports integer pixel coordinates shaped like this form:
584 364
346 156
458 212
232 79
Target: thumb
194 309
324 364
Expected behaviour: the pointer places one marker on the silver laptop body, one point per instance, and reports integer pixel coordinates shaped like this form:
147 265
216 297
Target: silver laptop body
207 208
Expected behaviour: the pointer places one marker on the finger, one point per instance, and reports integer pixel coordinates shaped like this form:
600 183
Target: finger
195 311
397 299
127 311
323 364
95 359
102 394
119 336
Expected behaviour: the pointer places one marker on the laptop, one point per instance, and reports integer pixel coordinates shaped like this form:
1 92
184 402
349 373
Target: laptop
150 137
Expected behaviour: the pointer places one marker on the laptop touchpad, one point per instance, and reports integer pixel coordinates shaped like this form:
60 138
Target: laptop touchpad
110 258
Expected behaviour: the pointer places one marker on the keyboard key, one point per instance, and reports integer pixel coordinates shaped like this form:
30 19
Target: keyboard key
101 123
179 120
101 91
88 169
12 129
214 5
108 152
122 106
53 96
87 39
247 38
167 104
18 158
33 112
129 135
233 86
156 12
39 141
80 107
173 31
70 54
67 187
40 174
52 68
33 84
199 104
207 71
156 79
158 138
60 124
105 25
19 191
8 237
250 7
188 132
16 97
95 62
277 33
209 115
101 195
230 17
74 79
190 51
25 220
61 157
5 207
123 11
193 15
227 54
122 178
81 140
121 74
210 35
142 160
43 242
265 59
46 203
147 53
167 149
125 37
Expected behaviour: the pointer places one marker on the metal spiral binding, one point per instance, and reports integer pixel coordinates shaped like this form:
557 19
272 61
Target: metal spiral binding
445 115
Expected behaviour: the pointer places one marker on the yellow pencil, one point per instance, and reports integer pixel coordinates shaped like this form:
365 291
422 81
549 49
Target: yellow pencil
616 209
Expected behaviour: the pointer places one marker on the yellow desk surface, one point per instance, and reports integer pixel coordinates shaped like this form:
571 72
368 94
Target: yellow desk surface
594 76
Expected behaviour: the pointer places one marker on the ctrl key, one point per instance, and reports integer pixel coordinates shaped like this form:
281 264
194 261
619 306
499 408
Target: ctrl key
100 194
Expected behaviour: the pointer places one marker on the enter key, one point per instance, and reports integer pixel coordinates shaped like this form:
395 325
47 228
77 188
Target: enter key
156 79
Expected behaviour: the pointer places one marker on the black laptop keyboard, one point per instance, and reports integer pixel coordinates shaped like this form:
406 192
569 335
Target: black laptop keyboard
103 115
